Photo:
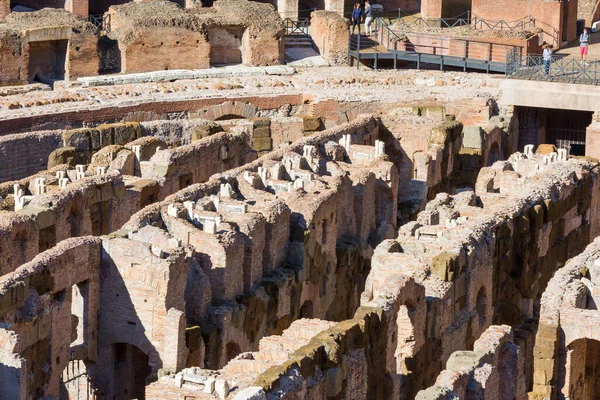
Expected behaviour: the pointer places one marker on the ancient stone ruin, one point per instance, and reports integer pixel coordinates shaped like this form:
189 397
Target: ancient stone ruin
183 216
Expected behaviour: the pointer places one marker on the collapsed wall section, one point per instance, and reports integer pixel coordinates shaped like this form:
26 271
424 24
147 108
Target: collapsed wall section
565 357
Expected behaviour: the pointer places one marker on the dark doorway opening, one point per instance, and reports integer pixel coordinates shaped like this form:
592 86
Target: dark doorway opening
225 45
305 7
130 371
47 60
456 8
566 129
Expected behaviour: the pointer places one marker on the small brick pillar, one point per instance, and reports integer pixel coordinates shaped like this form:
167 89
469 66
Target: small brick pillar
77 7
431 9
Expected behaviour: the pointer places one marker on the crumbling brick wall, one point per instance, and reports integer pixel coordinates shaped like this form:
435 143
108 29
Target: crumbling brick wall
490 370
566 343
155 50
45 288
329 32
95 205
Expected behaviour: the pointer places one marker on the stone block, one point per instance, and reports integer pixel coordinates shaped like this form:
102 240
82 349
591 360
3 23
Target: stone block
261 132
206 130
465 359
434 112
251 393
262 144
80 139
473 137
310 124
122 132
101 138
545 149
444 265
260 122
43 217
63 155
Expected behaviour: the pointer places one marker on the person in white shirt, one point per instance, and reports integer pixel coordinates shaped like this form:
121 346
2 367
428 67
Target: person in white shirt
368 17
547 56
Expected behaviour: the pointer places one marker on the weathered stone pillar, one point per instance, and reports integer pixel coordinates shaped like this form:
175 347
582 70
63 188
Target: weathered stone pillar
77 7
288 8
592 137
4 8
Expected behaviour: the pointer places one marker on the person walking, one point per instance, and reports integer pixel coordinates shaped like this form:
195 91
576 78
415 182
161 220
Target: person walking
547 56
584 41
356 16
368 17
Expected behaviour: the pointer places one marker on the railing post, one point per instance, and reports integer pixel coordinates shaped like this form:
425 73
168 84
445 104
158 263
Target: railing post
358 52
349 49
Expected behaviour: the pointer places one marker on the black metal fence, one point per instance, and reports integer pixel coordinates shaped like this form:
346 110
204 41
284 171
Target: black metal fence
557 69
102 21
297 27
525 23
572 140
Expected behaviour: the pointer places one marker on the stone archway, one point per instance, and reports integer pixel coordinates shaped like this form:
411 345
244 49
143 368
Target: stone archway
228 110
130 371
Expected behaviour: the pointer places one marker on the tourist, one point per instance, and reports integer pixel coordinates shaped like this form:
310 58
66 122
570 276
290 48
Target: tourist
368 17
584 41
356 16
547 55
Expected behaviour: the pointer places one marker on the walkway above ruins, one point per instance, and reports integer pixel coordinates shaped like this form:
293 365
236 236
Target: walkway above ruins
554 95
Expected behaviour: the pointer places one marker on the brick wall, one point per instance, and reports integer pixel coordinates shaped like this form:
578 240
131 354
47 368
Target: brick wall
548 14
329 32
159 49
49 277
431 9
26 154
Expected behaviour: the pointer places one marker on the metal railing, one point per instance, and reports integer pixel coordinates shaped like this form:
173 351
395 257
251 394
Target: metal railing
558 69
471 21
517 25
385 35
571 140
463 19
297 27
101 21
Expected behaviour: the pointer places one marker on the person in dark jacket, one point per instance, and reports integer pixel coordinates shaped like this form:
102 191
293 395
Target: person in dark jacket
356 16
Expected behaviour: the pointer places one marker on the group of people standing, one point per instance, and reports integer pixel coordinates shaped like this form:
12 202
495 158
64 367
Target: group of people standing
548 51
357 14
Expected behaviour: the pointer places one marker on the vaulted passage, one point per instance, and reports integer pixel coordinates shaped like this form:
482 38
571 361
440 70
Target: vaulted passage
130 371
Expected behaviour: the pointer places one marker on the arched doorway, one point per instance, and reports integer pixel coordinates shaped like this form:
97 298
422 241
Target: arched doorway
232 350
130 371
582 380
